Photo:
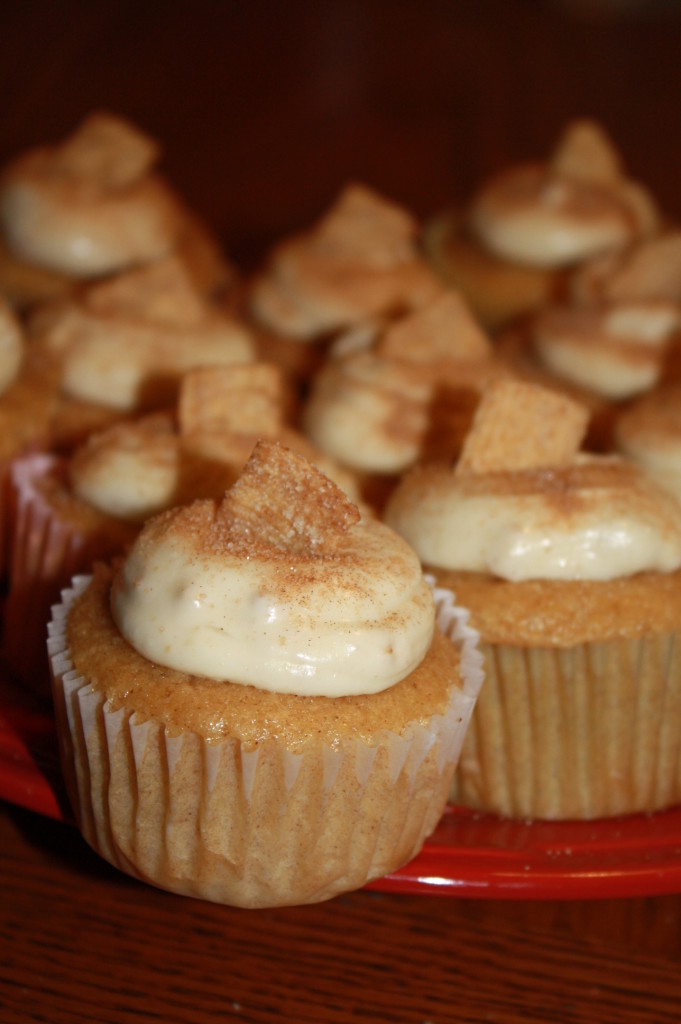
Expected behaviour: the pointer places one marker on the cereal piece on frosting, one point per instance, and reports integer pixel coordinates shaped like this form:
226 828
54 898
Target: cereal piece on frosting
106 152
364 223
520 426
162 292
223 399
443 329
584 151
360 260
282 501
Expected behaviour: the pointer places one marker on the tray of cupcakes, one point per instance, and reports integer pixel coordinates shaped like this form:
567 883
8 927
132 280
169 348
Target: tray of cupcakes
346 574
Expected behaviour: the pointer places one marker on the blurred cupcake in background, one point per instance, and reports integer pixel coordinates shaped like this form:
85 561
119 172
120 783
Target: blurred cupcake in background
509 250
66 512
401 392
122 346
94 205
360 261
649 433
614 335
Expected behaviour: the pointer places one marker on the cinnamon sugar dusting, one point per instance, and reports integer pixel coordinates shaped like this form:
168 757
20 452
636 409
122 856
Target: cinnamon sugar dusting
281 501
244 399
105 151
520 426
442 330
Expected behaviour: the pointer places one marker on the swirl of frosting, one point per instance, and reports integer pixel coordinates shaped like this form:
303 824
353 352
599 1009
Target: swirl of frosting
254 592
369 412
614 352
91 205
649 433
598 519
573 207
127 341
127 366
359 261
11 347
129 471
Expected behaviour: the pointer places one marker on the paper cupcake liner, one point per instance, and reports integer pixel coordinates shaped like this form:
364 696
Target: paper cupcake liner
262 827
6 465
45 552
590 731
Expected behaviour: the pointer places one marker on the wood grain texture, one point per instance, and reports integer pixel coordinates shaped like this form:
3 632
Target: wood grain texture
265 110
83 943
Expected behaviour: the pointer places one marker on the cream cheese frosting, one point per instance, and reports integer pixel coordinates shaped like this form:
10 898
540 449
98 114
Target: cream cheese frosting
122 366
571 208
598 520
615 352
649 433
130 471
137 468
359 261
205 591
125 344
523 503
369 412
11 346
92 204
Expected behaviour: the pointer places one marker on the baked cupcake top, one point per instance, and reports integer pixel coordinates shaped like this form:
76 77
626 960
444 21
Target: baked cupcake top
92 204
126 342
135 469
574 206
282 585
522 503
358 261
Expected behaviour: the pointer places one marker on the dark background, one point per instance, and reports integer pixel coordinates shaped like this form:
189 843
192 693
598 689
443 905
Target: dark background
267 108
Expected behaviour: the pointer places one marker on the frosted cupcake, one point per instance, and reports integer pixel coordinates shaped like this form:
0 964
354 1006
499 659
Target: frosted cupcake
400 393
94 205
570 566
526 227
360 261
221 737
612 338
123 346
27 396
649 433
66 512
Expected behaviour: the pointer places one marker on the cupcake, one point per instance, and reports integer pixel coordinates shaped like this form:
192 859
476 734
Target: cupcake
66 512
94 205
526 227
612 337
401 393
570 566
27 396
122 347
649 433
360 261
257 707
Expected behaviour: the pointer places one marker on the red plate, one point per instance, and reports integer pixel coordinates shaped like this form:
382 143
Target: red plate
469 854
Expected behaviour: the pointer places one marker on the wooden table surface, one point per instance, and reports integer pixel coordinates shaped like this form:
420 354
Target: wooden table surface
265 110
